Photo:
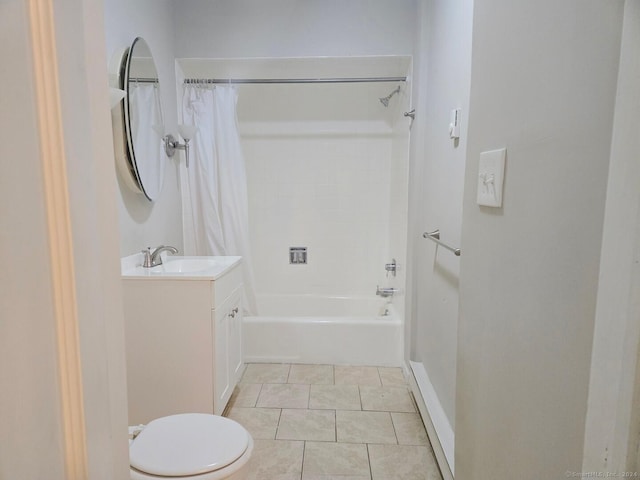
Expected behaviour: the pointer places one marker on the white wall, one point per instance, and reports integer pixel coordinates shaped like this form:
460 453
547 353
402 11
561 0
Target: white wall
327 192
320 176
611 436
281 28
144 223
92 190
542 85
30 406
437 194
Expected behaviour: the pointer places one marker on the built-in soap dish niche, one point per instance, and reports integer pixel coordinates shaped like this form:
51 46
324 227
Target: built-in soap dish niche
298 255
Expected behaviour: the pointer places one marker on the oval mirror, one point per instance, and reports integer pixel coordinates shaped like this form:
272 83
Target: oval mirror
141 153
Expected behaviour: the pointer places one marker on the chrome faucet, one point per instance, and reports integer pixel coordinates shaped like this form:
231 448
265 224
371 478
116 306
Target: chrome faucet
153 259
386 291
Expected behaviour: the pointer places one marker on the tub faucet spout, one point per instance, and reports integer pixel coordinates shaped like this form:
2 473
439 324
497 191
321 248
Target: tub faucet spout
386 291
153 259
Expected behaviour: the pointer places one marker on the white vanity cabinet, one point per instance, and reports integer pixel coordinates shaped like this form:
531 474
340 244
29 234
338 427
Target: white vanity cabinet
183 336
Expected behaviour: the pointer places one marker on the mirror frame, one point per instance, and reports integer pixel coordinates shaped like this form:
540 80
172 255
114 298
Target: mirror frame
121 116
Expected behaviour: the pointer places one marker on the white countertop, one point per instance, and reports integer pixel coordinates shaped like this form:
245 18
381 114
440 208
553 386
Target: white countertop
178 268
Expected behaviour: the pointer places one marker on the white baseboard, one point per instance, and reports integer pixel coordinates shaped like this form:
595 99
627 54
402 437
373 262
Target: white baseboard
435 420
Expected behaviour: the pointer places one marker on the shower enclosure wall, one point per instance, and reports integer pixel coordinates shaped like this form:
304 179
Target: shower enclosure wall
326 170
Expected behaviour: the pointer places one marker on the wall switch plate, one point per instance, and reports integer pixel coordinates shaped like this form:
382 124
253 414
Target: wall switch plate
491 177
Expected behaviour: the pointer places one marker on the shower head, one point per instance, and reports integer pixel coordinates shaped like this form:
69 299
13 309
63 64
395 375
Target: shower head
385 100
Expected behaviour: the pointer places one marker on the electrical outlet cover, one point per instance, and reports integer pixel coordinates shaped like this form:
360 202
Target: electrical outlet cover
491 177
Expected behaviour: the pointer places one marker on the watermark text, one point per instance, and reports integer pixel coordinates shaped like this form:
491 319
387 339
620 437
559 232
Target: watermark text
570 474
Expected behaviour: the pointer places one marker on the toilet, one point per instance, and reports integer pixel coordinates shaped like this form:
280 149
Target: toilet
191 446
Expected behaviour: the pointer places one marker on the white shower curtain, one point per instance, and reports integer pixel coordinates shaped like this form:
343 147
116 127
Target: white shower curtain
214 187
145 111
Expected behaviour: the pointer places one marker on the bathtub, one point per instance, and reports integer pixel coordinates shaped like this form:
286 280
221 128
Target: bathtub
323 329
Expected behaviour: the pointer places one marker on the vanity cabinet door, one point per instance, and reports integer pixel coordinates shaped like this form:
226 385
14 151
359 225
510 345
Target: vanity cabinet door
168 344
227 356
235 339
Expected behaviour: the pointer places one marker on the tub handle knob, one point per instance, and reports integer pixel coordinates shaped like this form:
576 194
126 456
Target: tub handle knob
391 267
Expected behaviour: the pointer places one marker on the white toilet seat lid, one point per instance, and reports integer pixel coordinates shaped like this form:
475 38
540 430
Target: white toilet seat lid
188 444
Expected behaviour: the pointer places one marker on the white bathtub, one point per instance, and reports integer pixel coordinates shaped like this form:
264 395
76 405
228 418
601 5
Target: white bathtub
328 330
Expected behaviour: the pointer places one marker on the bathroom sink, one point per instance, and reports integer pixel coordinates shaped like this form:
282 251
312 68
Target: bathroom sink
183 268
186 265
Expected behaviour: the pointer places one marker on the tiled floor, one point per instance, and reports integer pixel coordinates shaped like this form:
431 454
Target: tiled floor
325 422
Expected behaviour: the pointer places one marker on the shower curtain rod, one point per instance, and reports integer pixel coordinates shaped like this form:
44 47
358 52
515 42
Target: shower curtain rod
292 80
143 80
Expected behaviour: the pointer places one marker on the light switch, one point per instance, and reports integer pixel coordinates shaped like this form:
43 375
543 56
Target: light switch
490 177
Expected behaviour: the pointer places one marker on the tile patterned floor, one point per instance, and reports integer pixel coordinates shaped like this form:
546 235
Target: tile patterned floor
326 422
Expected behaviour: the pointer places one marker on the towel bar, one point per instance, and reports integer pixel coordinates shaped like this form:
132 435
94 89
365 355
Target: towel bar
435 237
